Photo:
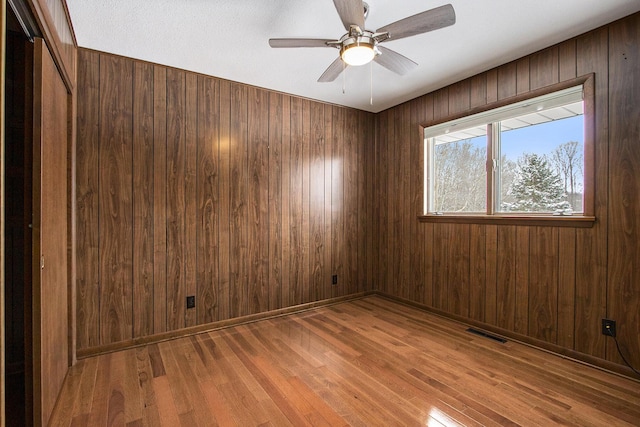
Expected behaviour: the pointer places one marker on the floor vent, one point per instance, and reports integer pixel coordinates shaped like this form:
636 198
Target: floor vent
486 335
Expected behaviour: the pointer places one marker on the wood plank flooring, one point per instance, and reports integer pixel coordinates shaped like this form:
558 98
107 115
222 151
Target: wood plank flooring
364 362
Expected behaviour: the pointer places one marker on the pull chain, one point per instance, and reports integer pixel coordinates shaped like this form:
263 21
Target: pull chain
371 83
344 77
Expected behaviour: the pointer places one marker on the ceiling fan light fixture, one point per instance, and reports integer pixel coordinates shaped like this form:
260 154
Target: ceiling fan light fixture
360 52
360 46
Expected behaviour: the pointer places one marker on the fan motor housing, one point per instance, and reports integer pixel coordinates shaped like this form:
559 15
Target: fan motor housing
365 39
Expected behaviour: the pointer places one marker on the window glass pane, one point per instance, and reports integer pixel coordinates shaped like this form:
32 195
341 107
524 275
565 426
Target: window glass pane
458 172
541 162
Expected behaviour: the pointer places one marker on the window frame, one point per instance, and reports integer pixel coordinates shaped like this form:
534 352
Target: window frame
584 219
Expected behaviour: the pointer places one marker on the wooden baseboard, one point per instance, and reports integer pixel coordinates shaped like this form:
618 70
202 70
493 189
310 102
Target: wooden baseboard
166 336
576 356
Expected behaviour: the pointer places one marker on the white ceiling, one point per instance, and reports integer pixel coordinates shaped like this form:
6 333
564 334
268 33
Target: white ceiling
229 39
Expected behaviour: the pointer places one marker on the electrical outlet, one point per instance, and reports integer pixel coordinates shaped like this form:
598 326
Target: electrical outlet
334 279
191 301
609 327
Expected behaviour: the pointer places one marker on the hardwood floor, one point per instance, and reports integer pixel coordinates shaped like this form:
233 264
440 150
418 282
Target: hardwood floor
364 362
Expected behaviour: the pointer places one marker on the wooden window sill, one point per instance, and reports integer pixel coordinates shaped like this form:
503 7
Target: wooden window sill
576 221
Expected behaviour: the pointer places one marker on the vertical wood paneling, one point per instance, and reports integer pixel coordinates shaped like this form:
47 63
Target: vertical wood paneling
143 200
317 265
559 295
295 203
567 60
459 97
176 163
328 207
304 240
566 286
591 244
543 279
403 205
258 197
350 200
416 238
442 234
478 91
506 280
190 205
248 199
115 220
491 275
624 188
159 199
337 200
553 284
507 80
521 324
224 283
275 200
392 205
458 277
544 68
87 157
382 200
364 218
492 85
286 201
238 180
523 77
207 200
477 271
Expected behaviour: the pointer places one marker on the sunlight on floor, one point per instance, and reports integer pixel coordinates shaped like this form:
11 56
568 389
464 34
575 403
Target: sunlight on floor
437 418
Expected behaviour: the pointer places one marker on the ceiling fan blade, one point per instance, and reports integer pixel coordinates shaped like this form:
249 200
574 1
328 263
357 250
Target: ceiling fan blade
423 22
334 70
299 42
392 60
351 12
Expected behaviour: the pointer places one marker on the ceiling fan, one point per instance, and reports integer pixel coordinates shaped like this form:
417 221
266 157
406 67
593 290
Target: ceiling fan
360 46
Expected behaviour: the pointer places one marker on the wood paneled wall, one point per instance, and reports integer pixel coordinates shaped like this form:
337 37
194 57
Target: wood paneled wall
191 185
251 200
551 284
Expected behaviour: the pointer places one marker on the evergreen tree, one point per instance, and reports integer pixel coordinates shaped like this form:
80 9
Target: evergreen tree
536 187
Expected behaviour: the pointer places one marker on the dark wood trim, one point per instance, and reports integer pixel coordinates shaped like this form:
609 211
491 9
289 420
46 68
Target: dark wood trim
65 61
185 332
589 97
595 362
72 212
582 80
36 325
3 15
585 220
490 171
549 221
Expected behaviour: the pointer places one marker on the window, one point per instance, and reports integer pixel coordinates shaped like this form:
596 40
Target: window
527 159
